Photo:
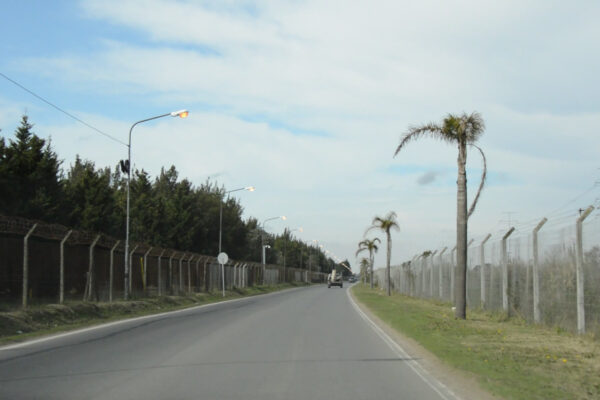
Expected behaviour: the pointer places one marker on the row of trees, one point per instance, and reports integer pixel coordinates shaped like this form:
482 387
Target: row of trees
385 224
464 131
165 211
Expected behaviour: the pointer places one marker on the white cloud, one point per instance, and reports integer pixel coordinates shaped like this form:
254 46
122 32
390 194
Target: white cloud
360 74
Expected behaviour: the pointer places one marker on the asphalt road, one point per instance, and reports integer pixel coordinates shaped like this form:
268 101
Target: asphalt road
307 343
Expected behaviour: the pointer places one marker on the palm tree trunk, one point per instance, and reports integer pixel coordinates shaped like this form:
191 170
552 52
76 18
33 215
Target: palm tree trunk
460 280
371 274
387 266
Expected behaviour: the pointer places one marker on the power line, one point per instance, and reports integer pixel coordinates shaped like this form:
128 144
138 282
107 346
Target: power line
572 200
62 111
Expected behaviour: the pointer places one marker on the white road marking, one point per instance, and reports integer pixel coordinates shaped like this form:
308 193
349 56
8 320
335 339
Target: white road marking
436 385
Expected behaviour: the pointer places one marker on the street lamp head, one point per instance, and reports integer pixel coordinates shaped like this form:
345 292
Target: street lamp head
283 217
250 188
180 113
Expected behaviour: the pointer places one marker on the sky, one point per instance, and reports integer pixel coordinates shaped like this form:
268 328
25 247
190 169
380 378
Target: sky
307 101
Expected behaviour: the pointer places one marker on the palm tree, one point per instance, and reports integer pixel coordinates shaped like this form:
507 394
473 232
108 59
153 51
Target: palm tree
364 267
386 224
369 245
462 130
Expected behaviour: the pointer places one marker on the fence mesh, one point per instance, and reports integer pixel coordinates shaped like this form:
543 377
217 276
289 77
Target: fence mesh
97 273
491 273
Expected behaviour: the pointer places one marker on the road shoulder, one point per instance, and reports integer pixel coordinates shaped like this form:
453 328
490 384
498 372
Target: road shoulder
49 322
462 384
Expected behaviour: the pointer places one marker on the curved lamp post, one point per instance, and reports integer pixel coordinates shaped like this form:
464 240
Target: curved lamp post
180 114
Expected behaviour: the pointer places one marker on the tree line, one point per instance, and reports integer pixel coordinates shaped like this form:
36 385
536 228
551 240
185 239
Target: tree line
165 211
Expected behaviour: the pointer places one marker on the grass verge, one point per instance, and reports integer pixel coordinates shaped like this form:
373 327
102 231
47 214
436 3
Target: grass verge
17 326
509 357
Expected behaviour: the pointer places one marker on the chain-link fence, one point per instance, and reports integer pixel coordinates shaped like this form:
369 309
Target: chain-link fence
546 271
46 263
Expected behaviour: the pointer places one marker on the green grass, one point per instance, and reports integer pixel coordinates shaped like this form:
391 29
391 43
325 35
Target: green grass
510 358
19 325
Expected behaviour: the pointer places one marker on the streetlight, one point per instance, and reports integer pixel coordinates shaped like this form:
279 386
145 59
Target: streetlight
285 248
127 168
264 250
262 242
248 188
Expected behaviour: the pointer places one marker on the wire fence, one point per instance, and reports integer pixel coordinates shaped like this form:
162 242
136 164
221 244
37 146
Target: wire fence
545 271
46 263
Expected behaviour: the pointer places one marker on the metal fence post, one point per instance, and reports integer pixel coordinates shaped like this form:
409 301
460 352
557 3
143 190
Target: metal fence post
431 259
159 277
131 269
206 286
580 276
423 274
441 274
181 274
110 271
171 272
190 274
26 264
233 275
505 270
240 274
482 268
536 272
90 278
196 283
61 293
144 276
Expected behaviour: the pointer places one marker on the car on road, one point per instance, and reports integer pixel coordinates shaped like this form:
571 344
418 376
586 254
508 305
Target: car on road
334 279
352 279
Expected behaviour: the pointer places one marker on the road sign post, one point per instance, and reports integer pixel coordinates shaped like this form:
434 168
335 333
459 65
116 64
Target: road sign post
222 259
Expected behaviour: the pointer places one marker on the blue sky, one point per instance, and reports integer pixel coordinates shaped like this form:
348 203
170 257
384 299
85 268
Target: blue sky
307 101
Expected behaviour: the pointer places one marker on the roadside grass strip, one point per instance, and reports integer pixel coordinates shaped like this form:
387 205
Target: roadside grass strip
19 325
509 357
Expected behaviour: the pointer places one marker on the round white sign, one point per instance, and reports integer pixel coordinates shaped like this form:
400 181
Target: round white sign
222 258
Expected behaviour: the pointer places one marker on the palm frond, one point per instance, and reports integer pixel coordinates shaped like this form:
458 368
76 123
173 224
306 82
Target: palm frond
452 126
369 229
367 245
482 183
391 220
474 127
361 247
416 132
385 224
